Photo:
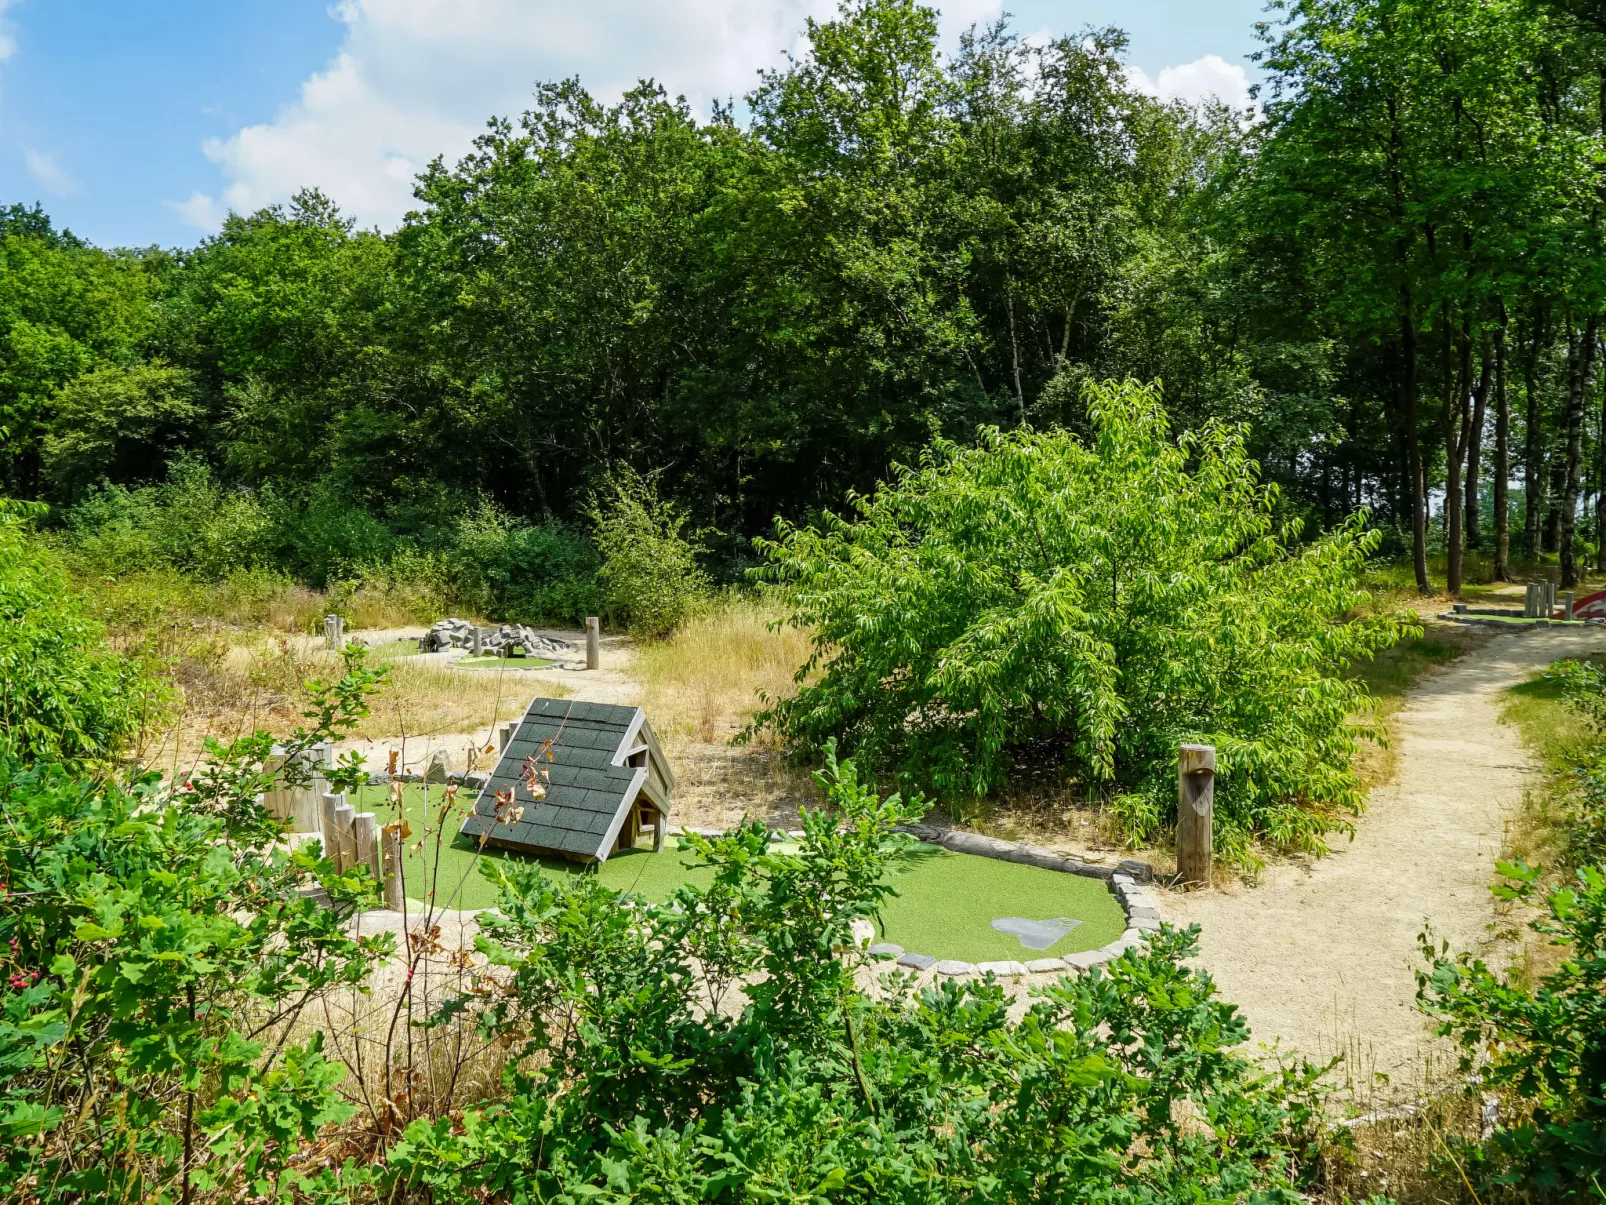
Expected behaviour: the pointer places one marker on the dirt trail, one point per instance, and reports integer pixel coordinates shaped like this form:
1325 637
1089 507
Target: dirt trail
1321 957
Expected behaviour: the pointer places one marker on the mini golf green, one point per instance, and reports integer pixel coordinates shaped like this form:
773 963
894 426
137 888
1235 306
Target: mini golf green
945 905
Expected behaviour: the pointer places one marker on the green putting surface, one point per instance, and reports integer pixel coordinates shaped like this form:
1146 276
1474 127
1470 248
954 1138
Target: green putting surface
945 905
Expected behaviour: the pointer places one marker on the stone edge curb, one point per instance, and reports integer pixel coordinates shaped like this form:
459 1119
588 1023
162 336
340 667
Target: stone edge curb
1128 881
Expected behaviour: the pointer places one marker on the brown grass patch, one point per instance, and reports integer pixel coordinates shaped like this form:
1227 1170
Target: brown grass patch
701 687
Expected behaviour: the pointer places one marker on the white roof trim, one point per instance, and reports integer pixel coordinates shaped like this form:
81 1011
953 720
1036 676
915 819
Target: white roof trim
625 804
625 750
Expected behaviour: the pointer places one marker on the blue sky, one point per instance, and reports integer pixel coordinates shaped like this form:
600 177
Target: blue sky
144 121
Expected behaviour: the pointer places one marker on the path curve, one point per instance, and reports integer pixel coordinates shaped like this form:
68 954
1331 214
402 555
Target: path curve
1321 957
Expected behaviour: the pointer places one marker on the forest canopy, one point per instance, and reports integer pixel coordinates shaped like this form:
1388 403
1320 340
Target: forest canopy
1391 271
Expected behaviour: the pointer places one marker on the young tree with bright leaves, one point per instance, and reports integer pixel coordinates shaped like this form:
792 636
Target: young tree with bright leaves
1034 597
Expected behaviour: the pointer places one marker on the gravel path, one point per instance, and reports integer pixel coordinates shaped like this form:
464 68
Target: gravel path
1321 957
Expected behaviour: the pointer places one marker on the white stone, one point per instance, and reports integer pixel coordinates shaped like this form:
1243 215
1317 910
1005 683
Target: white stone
1086 958
1004 970
1046 966
863 932
950 966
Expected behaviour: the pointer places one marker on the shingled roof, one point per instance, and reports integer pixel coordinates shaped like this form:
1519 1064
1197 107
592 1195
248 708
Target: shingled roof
602 764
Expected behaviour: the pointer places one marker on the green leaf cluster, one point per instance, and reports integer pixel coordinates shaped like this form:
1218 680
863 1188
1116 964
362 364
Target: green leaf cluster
1093 605
724 1048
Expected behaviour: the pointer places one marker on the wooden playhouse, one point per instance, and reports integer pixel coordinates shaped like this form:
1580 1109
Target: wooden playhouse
606 782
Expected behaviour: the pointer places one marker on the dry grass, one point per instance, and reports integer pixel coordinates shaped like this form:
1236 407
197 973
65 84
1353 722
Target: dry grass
231 689
701 687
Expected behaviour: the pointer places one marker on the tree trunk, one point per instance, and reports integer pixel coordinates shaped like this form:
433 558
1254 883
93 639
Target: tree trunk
1455 423
1580 366
1416 487
1502 455
1480 399
1533 455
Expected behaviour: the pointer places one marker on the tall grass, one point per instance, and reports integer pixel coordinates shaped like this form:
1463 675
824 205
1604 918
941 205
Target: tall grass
706 678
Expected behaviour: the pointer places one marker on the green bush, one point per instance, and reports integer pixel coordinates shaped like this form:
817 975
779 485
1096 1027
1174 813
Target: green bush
1543 1045
624 1085
158 954
544 572
649 573
1583 783
63 694
1036 598
190 523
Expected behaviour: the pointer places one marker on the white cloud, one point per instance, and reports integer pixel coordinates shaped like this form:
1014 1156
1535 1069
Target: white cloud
8 39
49 173
419 78
1192 82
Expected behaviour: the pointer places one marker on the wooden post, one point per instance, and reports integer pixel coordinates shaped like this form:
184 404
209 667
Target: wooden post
1196 798
505 734
390 847
334 628
327 804
478 646
593 643
1567 605
365 827
345 834
659 821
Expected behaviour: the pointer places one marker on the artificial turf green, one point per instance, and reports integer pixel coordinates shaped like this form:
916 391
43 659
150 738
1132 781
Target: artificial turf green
945 905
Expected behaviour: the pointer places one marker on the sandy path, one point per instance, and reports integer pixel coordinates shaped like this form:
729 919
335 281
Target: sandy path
1321 957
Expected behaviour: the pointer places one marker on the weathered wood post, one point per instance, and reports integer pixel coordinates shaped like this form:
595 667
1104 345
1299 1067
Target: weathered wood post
1196 800
505 734
329 825
345 834
334 628
593 643
365 827
390 858
1567 605
1530 605
478 646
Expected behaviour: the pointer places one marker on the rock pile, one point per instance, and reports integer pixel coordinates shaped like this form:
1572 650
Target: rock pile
500 640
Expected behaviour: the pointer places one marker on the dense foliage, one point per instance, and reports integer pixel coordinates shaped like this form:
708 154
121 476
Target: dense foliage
160 954
1093 604
63 695
1583 781
723 1047
1543 1045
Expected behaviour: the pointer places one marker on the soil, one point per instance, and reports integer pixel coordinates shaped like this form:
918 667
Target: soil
1321 957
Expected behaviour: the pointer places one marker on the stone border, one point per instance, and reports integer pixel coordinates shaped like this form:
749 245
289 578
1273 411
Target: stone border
1129 881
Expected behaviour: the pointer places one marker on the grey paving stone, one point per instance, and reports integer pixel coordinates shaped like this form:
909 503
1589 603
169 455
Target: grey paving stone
1084 959
950 966
917 962
887 949
1146 924
1143 914
1046 966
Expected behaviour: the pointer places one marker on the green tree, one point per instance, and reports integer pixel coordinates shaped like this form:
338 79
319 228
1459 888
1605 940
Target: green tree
118 423
1093 604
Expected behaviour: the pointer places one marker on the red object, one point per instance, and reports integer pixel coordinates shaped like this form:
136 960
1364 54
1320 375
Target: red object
1590 606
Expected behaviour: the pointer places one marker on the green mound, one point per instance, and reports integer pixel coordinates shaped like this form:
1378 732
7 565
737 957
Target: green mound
945 905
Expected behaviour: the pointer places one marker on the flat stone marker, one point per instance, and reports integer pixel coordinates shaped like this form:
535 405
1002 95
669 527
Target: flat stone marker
950 966
887 949
1035 934
1047 966
917 962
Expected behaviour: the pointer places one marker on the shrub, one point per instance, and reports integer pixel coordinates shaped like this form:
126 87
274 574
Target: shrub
116 422
190 523
158 953
649 571
522 572
63 695
1544 1045
1035 597
719 1049
1583 783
